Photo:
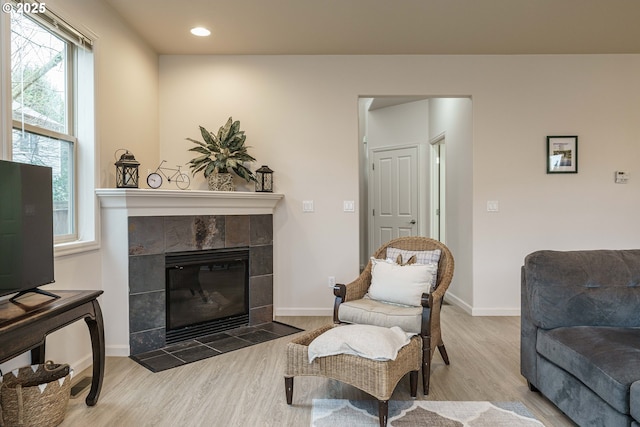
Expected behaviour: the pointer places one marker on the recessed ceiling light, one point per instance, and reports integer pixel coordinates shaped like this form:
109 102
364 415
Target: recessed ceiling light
200 32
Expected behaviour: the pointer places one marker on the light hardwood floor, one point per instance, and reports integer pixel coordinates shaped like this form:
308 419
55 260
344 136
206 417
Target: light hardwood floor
246 387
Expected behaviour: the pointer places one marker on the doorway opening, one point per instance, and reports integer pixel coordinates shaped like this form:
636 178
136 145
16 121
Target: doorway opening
394 123
438 187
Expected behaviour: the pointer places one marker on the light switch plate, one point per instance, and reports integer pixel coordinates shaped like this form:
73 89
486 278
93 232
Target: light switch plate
622 177
307 206
349 206
493 206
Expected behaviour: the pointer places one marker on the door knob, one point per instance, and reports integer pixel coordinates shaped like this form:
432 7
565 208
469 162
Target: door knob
413 221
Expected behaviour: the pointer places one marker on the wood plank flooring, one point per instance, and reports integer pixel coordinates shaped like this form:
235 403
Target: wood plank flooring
246 387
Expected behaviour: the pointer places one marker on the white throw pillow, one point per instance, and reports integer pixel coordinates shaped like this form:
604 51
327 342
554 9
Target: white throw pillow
371 342
400 284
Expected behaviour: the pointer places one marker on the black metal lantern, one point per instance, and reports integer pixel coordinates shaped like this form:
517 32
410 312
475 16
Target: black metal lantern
127 171
264 180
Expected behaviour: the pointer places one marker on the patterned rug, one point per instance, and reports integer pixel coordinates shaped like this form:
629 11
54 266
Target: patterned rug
341 412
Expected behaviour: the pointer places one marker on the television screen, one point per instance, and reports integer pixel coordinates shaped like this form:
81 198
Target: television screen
26 227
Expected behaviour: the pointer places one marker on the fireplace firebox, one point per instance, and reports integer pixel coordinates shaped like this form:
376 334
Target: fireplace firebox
207 292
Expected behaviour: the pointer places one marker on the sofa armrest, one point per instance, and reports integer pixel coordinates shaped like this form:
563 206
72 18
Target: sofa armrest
528 337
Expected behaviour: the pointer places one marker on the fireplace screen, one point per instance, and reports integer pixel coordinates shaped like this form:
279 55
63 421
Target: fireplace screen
207 288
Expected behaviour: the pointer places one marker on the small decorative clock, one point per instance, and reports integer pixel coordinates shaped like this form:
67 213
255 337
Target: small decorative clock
154 179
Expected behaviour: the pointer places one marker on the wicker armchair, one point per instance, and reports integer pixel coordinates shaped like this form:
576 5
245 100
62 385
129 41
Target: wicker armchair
424 320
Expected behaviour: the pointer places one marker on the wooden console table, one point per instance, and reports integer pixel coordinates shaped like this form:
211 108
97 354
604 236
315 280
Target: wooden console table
25 323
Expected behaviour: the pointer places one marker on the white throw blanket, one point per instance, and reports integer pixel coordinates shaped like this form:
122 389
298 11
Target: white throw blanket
371 342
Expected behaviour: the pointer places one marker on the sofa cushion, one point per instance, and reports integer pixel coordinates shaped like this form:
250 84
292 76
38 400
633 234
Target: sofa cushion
367 311
605 359
634 400
583 288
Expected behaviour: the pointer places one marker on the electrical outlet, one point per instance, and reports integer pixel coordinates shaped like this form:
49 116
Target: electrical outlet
332 281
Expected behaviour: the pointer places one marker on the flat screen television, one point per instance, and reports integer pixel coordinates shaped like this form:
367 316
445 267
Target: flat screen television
26 228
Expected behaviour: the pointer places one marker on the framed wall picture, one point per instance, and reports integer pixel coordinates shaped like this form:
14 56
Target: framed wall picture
562 154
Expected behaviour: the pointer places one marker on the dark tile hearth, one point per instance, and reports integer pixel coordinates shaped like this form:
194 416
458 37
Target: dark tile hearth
212 345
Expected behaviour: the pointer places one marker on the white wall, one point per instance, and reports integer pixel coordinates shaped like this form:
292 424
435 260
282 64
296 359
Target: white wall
402 124
126 80
301 118
452 118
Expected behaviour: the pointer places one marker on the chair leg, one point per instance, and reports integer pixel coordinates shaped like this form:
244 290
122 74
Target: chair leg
383 412
288 387
413 383
443 353
426 364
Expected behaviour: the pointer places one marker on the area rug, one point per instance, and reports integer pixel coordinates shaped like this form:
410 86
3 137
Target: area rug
341 412
212 345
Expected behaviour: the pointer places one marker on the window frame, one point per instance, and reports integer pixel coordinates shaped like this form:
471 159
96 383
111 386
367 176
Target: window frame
80 55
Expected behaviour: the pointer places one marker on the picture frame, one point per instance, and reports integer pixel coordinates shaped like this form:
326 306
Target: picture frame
562 154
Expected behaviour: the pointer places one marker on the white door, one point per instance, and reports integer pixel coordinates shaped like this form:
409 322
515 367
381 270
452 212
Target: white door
394 195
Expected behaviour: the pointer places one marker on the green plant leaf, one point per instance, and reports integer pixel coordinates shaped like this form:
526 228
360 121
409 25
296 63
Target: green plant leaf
223 133
197 142
201 150
245 173
222 152
209 137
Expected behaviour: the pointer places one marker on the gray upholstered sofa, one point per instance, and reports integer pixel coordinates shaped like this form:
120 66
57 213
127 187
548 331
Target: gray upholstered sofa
580 333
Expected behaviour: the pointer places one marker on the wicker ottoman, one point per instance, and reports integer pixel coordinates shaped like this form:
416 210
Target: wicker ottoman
377 378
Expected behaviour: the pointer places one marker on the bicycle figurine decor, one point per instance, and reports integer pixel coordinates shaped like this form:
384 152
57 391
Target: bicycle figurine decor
154 179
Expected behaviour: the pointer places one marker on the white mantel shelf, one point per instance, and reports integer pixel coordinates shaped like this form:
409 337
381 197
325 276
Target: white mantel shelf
148 202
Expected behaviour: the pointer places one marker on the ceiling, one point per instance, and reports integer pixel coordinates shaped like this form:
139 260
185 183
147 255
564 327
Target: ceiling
319 27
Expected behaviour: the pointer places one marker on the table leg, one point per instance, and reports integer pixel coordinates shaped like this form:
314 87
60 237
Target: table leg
96 330
37 354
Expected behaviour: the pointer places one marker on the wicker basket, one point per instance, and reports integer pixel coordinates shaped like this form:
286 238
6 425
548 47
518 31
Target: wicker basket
35 395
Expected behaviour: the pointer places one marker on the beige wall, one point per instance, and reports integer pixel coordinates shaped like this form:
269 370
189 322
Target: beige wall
300 114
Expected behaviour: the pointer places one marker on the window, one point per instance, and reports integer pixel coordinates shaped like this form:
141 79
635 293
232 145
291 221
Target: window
51 80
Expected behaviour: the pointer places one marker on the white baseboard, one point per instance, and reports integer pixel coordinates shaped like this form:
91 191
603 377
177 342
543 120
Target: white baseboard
485 311
118 350
303 311
450 298
82 364
480 311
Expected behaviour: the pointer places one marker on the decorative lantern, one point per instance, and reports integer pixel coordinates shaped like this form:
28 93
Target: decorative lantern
264 180
127 171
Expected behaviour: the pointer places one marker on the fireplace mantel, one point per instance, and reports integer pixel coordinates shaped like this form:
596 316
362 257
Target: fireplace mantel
148 202
119 206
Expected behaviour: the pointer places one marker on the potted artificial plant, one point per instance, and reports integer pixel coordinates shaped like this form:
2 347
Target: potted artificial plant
221 154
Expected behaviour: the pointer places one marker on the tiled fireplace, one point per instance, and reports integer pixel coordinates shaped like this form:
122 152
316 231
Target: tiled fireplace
151 238
139 227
